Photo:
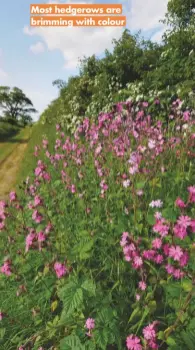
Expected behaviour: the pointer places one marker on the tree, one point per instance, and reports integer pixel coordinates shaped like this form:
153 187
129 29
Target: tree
59 83
15 104
180 13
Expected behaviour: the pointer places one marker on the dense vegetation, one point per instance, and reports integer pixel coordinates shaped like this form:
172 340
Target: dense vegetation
98 245
169 67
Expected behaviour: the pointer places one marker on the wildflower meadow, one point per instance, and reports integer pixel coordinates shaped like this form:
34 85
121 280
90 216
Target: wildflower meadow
98 247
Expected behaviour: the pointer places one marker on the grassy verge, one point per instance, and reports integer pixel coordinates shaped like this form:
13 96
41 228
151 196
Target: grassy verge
8 144
39 132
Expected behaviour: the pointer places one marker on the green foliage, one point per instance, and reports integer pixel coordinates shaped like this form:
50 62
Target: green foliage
15 104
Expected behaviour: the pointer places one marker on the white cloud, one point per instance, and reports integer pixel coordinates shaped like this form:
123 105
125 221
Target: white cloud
157 37
27 31
3 74
37 48
146 14
76 42
40 99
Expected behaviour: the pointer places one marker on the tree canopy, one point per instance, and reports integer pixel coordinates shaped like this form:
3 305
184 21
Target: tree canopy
15 104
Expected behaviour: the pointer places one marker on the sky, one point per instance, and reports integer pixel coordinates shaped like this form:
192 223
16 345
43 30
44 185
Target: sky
32 58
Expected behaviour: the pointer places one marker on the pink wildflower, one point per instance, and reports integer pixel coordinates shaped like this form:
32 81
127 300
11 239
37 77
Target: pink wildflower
37 217
175 253
90 323
145 104
192 226
140 193
180 231
158 215
133 343
29 240
184 259
12 196
149 254
72 188
180 203
178 274
142 285
191 191
48 228
6 268
159 259
137 262
41 236
157 243
170 269
149 332
161 228
2 205
37 201
123 241
60 269
184 221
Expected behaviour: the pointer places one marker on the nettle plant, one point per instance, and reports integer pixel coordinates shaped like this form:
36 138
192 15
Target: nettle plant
97 251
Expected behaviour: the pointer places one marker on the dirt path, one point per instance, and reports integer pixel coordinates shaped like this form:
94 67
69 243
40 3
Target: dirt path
9 168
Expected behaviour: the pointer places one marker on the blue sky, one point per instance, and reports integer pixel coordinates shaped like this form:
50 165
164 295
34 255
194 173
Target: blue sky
31 58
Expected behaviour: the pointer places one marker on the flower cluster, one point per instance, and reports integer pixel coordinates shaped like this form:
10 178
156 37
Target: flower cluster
150 338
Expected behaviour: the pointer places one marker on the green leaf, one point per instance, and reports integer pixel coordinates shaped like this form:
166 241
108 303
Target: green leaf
135 313
145 314
189 339
85 250
71 342
89 287
101 338
2 333
151 219
192 324
170 341
72 297
187 285
140 185
174 290
169 214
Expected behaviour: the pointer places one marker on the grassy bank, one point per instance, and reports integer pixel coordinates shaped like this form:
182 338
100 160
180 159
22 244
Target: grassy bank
10 138
38 132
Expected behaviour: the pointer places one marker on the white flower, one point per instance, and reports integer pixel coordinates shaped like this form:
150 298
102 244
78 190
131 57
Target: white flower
151 144
156 204
126 183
